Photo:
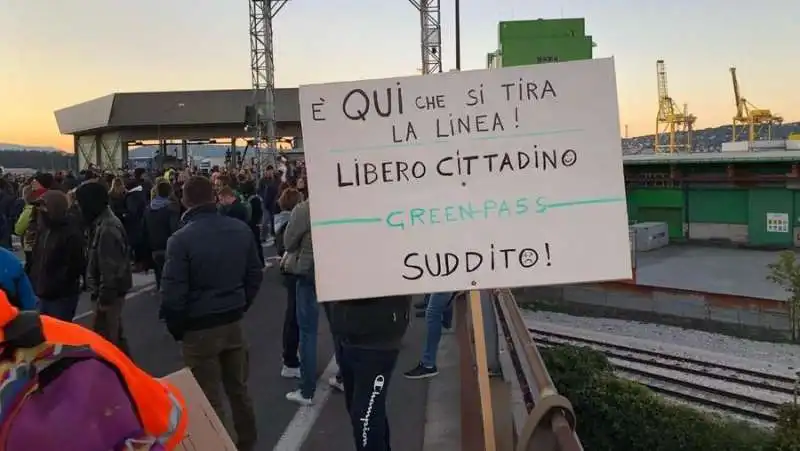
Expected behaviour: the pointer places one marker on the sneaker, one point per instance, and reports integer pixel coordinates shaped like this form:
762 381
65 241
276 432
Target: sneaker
290 373
421 372
297 396
336 383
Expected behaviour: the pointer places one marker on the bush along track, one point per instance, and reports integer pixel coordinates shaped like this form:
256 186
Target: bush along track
618 415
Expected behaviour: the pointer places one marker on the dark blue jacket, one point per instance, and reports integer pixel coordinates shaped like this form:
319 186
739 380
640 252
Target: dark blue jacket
212 272
15 282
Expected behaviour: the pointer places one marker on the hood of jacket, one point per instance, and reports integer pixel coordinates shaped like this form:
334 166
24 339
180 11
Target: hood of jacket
92 198
56 205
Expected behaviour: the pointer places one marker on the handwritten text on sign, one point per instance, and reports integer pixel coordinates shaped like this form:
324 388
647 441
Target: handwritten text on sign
480 179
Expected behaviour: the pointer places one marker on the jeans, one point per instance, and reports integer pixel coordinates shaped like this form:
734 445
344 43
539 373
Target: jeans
435 315
337 342
219 361
307 321
60 308
366 374
267 223
291 333
447 315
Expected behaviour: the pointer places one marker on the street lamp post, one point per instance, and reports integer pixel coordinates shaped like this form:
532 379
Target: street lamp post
458 34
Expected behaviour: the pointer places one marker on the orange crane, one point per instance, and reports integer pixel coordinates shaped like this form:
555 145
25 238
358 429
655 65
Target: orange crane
673 126
749 119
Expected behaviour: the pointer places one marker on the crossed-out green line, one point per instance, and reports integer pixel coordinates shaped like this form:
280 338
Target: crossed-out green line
447 140
541 207
544 206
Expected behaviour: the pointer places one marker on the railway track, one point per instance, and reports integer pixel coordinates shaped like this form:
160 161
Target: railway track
744 392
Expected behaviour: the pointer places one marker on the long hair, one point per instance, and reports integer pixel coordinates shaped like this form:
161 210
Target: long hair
117 188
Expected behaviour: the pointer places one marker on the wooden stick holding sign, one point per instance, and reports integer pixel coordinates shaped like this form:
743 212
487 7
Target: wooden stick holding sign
481 361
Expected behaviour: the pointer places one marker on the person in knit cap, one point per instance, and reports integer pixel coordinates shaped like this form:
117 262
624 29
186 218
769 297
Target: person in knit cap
108 269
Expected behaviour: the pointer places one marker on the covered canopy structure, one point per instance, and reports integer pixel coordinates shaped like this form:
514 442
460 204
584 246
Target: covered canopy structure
105 127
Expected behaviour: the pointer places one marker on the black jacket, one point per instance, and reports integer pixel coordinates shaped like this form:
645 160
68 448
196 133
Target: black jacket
161 221
378 323
108 268
58 256
212 272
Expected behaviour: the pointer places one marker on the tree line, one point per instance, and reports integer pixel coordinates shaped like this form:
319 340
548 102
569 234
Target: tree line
44 161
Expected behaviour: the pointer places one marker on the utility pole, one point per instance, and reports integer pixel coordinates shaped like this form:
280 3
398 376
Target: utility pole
458 34
430 35
262 70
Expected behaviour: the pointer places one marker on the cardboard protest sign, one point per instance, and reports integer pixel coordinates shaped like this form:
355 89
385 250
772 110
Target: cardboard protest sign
466 180
206 432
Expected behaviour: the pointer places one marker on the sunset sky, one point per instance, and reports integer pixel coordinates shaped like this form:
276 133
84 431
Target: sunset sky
57 53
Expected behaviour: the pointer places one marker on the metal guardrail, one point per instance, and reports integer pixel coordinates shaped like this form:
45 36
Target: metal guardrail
549 423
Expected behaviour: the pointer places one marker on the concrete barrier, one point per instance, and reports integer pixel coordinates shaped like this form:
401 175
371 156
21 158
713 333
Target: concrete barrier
766 319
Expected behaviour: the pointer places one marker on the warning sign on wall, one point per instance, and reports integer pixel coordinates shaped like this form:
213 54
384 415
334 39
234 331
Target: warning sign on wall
778 222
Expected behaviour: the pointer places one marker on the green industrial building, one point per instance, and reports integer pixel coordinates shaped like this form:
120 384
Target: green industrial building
745 198
525 42
749 198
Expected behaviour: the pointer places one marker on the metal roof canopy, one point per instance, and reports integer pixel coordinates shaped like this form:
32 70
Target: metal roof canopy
141 116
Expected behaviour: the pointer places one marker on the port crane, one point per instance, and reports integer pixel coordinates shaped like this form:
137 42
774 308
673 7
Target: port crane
750 122
674 126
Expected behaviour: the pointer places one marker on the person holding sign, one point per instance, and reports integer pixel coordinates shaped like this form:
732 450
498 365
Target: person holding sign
370 332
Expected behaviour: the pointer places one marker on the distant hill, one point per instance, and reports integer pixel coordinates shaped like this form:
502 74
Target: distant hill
18 147
705 140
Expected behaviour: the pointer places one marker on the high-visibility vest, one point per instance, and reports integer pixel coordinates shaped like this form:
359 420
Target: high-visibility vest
159 405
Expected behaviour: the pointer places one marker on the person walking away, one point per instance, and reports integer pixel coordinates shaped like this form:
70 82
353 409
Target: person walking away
211 277
291 334
371 333
108 268
8 204
256 216
136 200
268 190
437 307
15 283
231 206
161 221
27 224
299 261
58 258
116 198
23 223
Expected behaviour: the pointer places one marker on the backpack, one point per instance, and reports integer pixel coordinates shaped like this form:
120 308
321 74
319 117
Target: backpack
68 391
247 206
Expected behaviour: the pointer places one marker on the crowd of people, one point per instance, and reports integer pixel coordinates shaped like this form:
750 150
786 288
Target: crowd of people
92 231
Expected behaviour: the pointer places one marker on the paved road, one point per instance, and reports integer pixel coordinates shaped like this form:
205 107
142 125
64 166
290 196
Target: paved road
321 427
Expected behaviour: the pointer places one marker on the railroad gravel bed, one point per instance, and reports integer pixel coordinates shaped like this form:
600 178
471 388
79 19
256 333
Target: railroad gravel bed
778 358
